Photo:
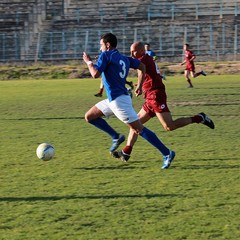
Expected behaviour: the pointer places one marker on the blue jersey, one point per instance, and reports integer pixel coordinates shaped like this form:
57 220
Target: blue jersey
114 68
150 53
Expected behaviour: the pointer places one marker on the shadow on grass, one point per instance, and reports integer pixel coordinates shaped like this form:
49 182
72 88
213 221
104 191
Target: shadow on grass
90 197
211 160
43 118
111 168
82 117
207 167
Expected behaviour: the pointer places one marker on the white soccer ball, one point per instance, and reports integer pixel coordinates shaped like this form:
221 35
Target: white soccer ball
45 151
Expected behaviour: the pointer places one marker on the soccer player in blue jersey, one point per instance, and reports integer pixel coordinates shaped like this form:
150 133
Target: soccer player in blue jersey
149 51
113 67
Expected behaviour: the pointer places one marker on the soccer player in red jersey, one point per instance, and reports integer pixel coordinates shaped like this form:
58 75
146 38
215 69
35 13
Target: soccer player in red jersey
155 104
190 67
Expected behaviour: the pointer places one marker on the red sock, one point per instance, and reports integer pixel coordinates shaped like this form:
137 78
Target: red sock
196 119
127 150
101 90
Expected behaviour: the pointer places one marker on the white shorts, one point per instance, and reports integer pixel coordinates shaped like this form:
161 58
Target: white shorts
121 107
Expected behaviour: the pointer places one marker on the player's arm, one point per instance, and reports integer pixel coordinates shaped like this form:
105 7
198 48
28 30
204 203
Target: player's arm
93 71
192 58
183 62
141 76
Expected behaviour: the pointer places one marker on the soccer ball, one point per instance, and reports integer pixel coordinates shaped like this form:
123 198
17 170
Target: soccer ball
45 151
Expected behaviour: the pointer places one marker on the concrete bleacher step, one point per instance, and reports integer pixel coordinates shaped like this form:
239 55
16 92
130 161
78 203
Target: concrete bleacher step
69 23
104 10
54 8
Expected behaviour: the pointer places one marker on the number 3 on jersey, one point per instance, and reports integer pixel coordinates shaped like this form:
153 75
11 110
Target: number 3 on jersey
122 74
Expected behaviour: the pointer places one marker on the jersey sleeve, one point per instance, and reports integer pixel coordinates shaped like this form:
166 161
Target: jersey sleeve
102 62
191 54
134 63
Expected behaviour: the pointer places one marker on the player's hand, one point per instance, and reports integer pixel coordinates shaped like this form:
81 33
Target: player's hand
86 57
138 91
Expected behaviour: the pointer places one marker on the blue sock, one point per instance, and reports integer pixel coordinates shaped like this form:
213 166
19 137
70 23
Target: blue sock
154 140
103 125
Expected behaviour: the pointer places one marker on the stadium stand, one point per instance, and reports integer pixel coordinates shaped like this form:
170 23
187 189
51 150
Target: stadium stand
105 10
33 30
54 8
19 21
14 15
191 9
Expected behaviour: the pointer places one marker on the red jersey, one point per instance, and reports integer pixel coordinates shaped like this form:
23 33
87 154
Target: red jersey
153 88
152 80
189 64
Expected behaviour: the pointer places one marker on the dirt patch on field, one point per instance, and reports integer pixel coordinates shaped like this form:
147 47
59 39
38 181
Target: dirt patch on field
76 70
210 68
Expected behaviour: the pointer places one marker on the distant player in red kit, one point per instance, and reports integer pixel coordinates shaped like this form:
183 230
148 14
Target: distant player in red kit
190 68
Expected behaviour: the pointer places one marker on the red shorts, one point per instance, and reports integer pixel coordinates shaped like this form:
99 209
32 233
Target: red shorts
190 67
155 101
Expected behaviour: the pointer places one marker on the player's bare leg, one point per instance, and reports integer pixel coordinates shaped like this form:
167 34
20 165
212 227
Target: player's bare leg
194 75
187 73
132 136
169 124
101 88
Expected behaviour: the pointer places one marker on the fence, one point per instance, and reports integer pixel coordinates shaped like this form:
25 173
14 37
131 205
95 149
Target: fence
192 9
208 42
212 29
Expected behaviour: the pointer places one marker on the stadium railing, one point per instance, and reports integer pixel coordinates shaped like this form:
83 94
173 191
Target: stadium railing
177 9
70 34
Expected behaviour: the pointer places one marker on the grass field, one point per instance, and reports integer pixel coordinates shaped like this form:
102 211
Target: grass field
83 193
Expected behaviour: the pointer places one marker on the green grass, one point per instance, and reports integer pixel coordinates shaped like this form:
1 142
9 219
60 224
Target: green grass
83 193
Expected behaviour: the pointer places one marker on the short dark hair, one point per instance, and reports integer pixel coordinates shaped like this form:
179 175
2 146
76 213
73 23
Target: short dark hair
111 38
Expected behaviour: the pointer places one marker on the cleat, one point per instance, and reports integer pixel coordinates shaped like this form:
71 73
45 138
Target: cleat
98 95
131 85
117 142
129 90
167 160
120 154
206 120
203 73
190 86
